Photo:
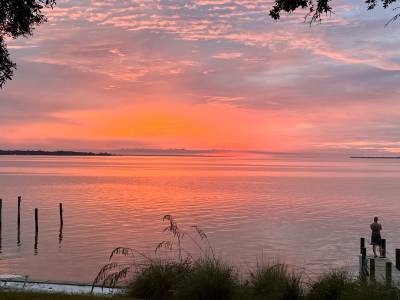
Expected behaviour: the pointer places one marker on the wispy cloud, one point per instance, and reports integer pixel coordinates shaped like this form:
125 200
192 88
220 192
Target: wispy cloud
228 55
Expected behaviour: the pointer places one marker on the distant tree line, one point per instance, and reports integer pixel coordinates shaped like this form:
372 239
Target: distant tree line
56 153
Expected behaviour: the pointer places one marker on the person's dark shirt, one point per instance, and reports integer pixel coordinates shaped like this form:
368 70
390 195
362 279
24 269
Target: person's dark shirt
376 228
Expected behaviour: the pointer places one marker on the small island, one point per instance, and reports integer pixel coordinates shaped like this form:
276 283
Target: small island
53 153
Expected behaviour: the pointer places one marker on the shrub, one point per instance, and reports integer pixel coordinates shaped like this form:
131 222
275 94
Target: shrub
209 279
158 280
116 272
371 291
275 282
243 292
331 286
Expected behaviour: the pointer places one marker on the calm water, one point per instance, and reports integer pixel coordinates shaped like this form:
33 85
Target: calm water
308 213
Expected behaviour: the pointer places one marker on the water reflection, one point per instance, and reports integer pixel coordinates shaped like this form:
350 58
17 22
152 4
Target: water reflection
248 208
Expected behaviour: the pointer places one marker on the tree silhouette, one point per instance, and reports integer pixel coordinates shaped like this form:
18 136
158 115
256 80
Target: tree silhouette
318 8
18 18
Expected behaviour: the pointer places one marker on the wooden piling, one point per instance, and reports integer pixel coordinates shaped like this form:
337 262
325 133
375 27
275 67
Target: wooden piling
19 236
363 263
1 214
60 235
362 244
383 246
19 211
35 246
19 222
363 252
1 233
388 271
372 269
398 259
61 215
36 220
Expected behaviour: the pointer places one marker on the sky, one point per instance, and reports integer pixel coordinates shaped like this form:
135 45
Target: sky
205 74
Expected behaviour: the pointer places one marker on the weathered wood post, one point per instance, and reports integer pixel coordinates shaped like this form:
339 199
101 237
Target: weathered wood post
362 244
398 259
35 246
383 246
1 208
60 235
36 220
36 231
19 236
372 269
19 211
363 263
388 271
19 222
364 252
61 215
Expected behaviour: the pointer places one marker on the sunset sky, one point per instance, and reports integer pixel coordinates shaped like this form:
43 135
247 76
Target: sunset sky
204 74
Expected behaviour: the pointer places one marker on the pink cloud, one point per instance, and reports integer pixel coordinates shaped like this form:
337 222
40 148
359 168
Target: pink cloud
228 55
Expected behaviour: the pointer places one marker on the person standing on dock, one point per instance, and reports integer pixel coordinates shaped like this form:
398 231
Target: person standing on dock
376 239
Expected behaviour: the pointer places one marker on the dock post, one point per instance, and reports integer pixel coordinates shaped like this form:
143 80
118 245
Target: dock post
1 208
60 235
388 270
19 222
383 245
363 263
398 259
19 236
36 220
362 244
363 252
61 215
35 247
19 211
372 269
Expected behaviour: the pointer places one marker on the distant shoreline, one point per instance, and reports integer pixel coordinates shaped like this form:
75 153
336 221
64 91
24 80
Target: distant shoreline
52 153
82 153
376 157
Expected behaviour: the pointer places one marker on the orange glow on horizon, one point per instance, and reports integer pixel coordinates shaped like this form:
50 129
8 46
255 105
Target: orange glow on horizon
170 124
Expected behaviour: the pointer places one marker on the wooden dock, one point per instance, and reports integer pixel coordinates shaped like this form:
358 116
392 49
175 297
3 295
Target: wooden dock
385 270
